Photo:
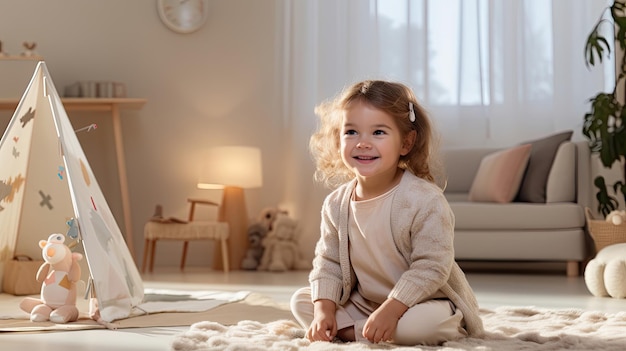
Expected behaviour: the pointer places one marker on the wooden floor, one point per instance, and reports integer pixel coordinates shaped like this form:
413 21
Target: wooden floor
492 290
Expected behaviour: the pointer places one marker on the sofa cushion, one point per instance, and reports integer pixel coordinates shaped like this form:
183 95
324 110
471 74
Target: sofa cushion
510 245
535 179
456 197
499 175
517 216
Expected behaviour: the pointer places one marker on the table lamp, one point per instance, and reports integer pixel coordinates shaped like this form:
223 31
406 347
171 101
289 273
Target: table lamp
233 169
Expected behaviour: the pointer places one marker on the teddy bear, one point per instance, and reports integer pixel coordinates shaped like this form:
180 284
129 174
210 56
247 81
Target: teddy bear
605 274
616 217
268 215
281 248
59 273
256 233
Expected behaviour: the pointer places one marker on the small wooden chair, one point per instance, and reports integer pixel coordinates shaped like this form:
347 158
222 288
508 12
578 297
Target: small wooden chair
192 230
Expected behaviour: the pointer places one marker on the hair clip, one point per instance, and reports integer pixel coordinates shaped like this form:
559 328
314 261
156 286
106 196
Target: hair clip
411 113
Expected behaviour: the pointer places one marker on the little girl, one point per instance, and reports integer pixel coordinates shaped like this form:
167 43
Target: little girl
384 268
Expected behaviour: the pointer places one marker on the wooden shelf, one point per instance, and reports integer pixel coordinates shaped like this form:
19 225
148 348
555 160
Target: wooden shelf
20 57
86 104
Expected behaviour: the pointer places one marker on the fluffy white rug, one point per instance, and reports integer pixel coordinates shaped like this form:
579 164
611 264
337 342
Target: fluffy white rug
507 328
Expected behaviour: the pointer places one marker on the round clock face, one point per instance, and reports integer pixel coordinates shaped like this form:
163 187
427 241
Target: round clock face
183 16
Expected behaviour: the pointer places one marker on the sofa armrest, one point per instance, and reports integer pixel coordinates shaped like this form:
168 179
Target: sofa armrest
570 175
584 183
561 185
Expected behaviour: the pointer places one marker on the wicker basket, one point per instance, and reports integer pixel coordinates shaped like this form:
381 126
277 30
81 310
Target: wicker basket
604 233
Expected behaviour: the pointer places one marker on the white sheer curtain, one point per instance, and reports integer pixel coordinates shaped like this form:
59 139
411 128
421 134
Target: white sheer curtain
490 72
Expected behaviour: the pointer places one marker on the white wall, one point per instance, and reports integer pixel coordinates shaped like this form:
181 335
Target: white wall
218 86
215 87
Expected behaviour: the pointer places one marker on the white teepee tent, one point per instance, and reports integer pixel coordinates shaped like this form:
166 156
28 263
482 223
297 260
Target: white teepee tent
45 180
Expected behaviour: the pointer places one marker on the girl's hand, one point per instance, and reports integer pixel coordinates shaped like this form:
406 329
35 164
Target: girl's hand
381 325
324 325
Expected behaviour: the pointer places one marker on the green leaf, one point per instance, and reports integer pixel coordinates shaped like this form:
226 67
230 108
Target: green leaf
606 202
604 126
596 43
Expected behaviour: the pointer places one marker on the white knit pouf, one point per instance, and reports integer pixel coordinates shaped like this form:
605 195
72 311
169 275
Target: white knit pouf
605 274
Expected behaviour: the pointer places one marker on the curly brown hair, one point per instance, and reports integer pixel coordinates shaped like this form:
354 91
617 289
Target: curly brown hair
390 97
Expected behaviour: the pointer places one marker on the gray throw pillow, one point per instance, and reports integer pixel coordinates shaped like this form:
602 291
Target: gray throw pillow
542 153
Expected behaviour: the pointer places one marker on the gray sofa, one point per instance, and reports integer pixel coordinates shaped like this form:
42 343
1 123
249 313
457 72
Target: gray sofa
553 231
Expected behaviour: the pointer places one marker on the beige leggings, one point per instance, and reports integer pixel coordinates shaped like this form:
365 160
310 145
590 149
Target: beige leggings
429 323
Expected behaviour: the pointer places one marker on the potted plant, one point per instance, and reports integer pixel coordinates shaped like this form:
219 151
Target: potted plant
604 124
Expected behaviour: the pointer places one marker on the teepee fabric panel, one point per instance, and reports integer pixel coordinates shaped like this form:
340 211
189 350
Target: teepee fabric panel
116 282
34 195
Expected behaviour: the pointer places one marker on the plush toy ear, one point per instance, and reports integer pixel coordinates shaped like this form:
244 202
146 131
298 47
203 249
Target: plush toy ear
42 243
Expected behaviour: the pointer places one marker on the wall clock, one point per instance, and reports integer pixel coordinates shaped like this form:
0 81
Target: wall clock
183 16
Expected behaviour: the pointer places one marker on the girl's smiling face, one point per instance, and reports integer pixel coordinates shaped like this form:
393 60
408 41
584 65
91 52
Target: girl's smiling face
371 143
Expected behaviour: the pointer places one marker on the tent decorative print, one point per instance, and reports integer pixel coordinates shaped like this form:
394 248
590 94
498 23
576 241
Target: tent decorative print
46 183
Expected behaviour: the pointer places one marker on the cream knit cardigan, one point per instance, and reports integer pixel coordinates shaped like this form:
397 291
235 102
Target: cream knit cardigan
422 224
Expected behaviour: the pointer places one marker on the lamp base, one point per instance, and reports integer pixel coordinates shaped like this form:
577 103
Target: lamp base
233 211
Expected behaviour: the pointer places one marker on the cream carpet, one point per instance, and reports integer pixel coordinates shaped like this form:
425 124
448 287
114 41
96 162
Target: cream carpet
507 328
162 309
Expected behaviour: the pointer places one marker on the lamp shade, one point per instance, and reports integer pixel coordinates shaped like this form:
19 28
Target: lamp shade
231 166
